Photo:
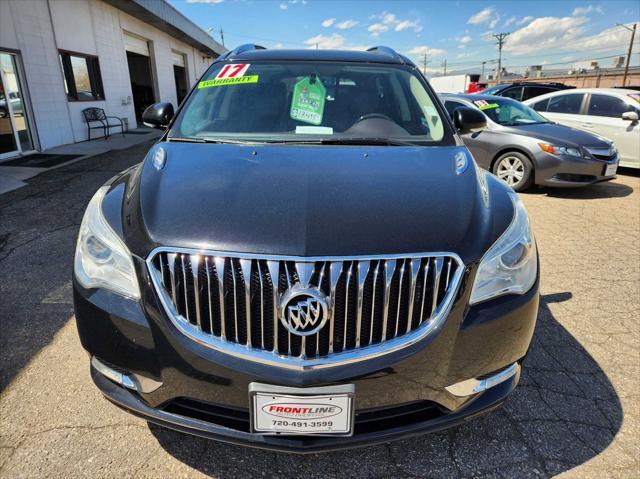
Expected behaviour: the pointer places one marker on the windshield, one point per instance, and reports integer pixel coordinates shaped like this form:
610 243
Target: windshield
508 112
493 90
305 101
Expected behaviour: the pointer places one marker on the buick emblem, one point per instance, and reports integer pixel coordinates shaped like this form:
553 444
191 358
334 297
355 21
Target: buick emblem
304 311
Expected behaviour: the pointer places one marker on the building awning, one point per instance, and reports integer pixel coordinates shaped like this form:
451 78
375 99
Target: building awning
166 18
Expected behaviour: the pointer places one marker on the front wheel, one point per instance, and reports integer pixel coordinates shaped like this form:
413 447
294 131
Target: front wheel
515 169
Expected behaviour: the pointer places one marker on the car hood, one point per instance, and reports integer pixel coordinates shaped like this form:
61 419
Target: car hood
312 201
560 135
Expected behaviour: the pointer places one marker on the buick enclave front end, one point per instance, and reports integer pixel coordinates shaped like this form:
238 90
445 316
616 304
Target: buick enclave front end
309 259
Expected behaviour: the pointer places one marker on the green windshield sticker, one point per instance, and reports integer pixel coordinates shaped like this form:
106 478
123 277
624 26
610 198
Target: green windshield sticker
307 104
484 105
228 81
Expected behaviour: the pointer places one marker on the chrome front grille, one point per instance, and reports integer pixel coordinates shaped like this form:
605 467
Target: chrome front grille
227 300
605 154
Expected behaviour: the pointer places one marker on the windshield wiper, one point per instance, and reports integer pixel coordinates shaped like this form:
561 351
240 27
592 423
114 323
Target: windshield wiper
518 123
352 141
198 139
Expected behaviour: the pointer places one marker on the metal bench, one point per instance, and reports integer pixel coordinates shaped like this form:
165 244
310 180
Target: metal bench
97 115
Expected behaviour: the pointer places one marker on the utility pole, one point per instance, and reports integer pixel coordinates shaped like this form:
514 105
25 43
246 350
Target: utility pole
425 62
500 37
445 67
211 29
482 74
626 64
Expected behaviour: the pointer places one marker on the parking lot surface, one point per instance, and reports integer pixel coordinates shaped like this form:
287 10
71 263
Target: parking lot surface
576 412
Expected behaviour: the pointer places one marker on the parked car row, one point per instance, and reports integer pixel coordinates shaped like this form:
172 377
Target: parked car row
558 136
522 147
308 259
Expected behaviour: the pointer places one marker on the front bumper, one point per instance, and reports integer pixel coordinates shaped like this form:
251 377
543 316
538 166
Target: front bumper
416 421
551 170
205 392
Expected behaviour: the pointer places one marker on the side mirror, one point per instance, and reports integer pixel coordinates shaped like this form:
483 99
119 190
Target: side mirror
158 115
630 116
468 119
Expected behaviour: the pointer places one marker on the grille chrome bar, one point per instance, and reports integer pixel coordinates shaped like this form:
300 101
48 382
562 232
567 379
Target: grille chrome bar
389 268
245 267
363 270
377 304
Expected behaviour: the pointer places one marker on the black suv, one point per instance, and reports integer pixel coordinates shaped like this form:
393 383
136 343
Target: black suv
308 259
522 91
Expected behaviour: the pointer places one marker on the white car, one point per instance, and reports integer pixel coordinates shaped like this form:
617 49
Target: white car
613 113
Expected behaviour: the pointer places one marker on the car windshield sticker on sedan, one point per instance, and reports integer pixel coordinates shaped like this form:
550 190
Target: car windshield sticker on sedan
635 96
307 103
485 105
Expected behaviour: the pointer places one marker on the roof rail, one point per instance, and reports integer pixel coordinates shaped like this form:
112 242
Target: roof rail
387 51
247 47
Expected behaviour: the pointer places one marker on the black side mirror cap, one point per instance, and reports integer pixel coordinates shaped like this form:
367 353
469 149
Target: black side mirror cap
158 115
468 119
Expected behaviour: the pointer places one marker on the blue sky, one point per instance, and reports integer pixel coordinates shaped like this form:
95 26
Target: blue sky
556 33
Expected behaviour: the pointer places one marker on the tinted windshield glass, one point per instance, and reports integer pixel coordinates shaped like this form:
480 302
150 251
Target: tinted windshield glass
298 101
508 112
493 90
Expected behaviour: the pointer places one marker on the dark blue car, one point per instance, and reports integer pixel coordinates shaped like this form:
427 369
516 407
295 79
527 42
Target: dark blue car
309 259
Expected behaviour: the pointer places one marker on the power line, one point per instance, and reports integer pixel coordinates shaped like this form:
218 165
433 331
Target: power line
524 57
479 66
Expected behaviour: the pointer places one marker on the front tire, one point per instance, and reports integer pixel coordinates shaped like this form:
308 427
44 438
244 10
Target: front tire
515 169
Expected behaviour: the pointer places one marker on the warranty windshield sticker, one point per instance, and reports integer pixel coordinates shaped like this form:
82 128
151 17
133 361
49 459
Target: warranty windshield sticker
228 81
485 105
307 104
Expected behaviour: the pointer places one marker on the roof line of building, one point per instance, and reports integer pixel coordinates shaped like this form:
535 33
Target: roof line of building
168 19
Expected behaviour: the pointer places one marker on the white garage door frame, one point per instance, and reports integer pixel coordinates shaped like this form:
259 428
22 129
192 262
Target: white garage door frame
136 44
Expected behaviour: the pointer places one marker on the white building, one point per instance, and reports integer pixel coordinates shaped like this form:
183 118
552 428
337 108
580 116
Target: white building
58 57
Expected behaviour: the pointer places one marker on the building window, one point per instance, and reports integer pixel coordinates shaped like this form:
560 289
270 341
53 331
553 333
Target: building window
82 80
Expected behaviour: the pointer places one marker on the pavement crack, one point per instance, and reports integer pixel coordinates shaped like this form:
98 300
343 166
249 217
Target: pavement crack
36 238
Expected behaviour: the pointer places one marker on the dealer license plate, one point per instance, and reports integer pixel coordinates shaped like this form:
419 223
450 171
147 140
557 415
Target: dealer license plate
324 411
610 170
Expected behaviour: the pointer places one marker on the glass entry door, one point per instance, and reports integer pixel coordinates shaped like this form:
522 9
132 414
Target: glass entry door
15 137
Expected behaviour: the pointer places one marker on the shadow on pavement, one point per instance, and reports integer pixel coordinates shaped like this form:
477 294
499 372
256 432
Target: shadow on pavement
609 189
38 229
564 413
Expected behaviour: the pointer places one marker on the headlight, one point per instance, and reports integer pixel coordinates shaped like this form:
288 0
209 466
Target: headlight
102 260
511 264
560 150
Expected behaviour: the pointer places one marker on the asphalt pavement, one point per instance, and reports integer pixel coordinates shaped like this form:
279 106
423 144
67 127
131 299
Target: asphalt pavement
575 413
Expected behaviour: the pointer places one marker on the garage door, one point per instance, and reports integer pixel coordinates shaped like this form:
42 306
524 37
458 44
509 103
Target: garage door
136 45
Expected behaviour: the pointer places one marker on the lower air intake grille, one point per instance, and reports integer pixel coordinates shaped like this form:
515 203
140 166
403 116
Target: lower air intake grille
223 299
